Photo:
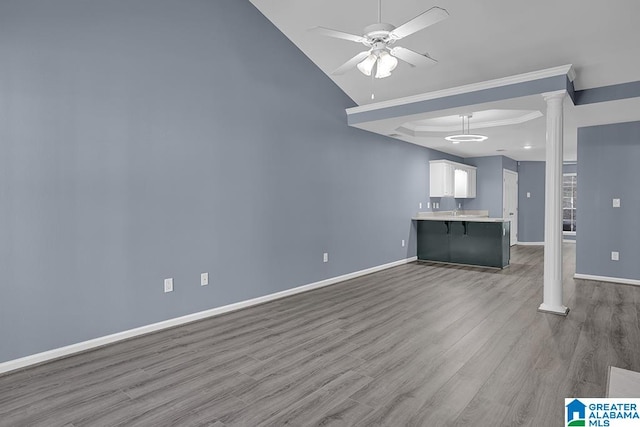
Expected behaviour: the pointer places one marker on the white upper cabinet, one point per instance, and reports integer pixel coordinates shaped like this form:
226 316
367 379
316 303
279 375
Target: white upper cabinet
461 182
441 178
451 179
465 182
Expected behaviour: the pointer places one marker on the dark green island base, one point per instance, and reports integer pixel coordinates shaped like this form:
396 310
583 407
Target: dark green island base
464 242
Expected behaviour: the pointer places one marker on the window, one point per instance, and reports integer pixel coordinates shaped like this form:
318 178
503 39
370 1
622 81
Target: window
569 186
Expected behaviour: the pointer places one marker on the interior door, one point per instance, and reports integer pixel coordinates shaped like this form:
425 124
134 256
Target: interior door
510 202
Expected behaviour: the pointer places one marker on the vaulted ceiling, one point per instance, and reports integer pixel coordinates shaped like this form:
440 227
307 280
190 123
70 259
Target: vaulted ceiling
482 40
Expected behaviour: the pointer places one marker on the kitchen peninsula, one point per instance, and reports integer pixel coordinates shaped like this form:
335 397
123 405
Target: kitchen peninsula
463 237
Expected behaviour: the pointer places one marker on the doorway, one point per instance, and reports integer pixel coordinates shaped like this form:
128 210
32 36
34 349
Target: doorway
510 202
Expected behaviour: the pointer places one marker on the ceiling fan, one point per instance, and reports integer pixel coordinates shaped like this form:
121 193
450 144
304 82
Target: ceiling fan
380 37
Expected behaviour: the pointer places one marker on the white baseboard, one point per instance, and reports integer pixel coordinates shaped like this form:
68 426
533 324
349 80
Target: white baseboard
607 279
541 243
57 353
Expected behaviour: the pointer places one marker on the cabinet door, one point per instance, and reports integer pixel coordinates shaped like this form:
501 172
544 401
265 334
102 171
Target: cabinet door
436 179
440 179
487 248
461 183
460 244
433 240
449 180
471 186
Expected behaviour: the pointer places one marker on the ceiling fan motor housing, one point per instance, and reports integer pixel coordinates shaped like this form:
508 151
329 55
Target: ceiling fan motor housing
378 33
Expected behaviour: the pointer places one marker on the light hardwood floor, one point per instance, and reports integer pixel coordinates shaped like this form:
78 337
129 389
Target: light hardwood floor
419 344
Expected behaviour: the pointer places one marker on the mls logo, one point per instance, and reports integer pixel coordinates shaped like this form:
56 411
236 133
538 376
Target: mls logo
576 413
602 412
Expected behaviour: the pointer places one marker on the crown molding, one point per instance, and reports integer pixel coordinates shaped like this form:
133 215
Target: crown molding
474 87
477 124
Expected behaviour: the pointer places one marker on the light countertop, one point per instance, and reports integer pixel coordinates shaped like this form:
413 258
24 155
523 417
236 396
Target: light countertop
469 216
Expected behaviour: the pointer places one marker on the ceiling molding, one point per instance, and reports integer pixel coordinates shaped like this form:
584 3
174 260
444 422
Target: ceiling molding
474 87
476 125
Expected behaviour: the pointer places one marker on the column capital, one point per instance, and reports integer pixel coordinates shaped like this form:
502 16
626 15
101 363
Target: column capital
558 94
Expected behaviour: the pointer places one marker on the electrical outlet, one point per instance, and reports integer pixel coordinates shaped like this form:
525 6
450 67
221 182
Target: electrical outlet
615 256
420 205
168 284
325 257
528 195
436 205
459 205
428 205
616 203
204 279
403 243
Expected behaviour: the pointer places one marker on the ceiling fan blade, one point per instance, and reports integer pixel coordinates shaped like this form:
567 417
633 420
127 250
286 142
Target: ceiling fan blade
414 59
351 63
424 20
337 34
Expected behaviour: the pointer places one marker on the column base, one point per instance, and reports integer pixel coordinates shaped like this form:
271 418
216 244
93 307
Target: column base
560 310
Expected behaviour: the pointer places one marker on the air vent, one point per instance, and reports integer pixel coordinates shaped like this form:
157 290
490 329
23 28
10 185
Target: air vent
501 149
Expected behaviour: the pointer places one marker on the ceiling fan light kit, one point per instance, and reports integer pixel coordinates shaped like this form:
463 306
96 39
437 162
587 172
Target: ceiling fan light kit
379 37
366 66
465 137
385 64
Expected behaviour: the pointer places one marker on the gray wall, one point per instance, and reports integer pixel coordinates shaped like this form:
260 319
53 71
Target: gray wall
531 209
531 178
164 138
489 176
509 164
608 158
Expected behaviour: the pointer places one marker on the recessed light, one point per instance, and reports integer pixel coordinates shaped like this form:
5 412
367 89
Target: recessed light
527 147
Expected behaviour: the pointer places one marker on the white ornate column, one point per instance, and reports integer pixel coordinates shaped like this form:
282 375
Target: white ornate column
552 299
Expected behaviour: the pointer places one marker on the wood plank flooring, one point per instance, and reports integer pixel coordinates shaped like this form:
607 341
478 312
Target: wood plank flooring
416 345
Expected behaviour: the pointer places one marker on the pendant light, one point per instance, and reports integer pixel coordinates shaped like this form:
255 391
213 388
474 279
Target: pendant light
466 137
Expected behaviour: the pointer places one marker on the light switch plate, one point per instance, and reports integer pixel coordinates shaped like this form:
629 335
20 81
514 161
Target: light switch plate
325 257
616 203
168 284
420 205
615 256
204 279
403 243
528 195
